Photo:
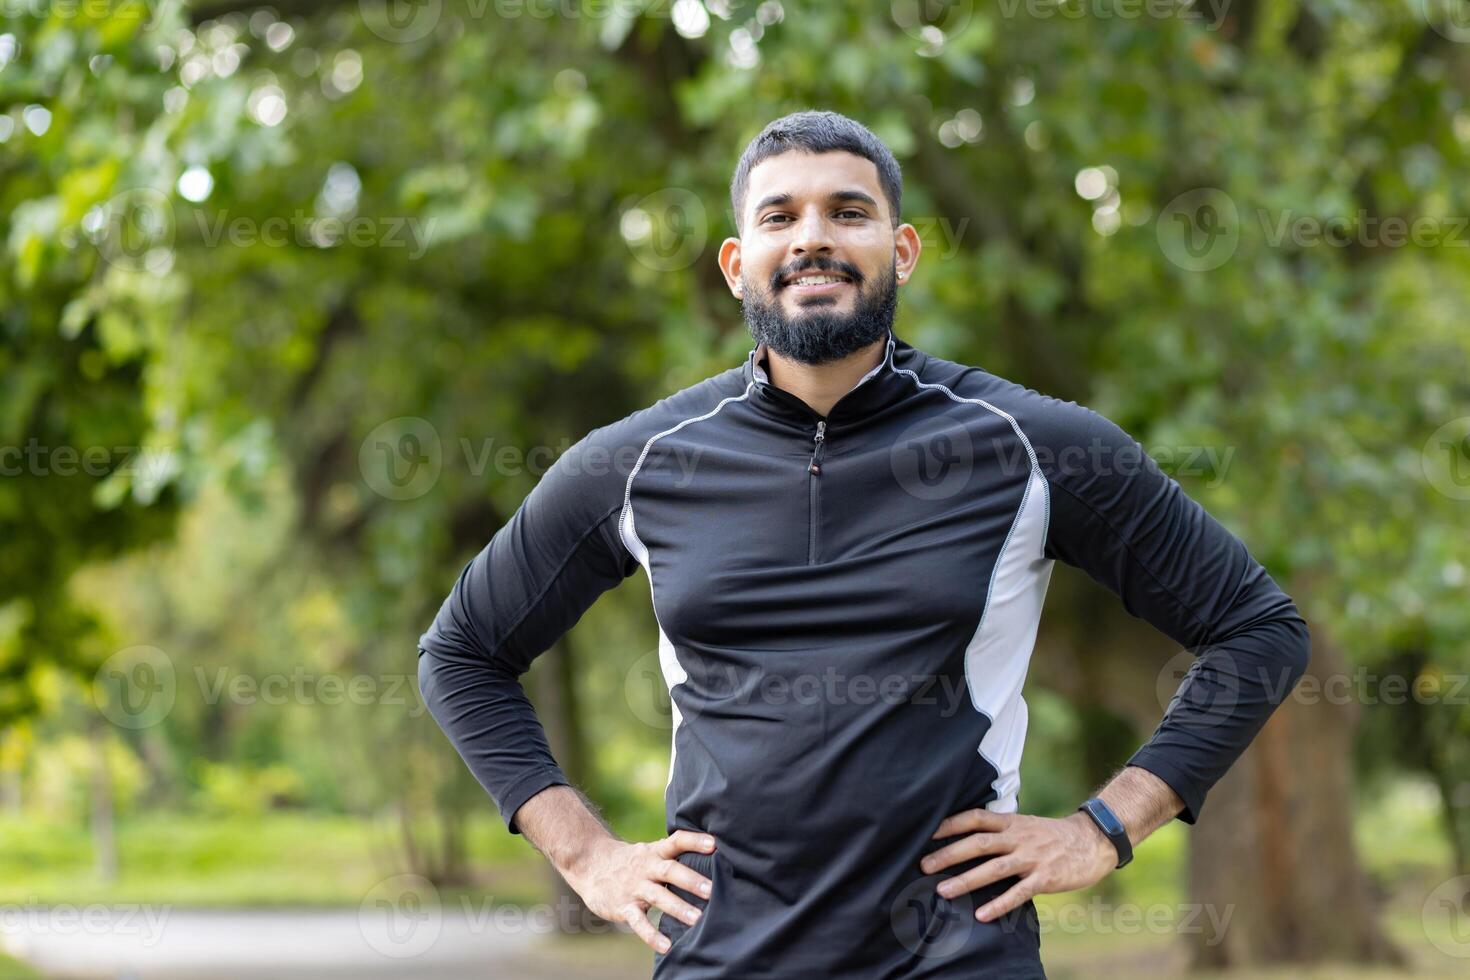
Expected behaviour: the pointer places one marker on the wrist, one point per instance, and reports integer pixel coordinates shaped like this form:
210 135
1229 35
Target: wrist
1101 850
559 823
581 857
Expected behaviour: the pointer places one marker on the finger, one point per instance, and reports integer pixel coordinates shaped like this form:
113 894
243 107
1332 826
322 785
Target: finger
665 900
968 821
1018 894
684 876
986 874
973 846
685 840
644 929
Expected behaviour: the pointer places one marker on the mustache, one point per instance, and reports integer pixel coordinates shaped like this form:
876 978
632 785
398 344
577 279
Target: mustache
817 265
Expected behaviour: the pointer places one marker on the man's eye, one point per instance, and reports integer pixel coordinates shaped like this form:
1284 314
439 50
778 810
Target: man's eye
772 217
851 213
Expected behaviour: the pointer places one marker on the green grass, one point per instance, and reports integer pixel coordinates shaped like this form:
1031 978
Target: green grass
12 969
1402 834
301 859
273 860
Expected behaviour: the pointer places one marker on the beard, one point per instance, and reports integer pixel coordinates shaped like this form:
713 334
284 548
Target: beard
817 335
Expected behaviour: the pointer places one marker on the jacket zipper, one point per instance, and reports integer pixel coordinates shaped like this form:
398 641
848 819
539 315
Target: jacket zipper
814 470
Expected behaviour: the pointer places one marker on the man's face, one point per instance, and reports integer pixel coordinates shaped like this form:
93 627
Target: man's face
815 266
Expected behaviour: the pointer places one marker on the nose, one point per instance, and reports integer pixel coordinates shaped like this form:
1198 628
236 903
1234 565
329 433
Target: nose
813 237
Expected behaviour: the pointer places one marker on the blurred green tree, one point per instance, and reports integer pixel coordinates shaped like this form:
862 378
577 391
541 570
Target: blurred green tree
389 256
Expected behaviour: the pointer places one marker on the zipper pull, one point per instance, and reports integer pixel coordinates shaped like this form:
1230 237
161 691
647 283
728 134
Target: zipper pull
820 438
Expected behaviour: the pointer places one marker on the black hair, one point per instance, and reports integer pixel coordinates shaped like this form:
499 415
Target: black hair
817 131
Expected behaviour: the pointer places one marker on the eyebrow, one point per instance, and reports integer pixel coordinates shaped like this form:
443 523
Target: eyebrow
847 194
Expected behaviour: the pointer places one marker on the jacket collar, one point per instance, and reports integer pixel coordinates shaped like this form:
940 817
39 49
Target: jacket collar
880 387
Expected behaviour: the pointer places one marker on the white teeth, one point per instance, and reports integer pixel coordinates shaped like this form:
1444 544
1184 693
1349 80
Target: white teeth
815 280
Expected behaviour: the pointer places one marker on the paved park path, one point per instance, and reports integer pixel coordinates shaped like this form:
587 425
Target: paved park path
164 943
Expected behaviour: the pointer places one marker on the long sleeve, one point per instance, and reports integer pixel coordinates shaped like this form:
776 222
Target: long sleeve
1132 528
527 587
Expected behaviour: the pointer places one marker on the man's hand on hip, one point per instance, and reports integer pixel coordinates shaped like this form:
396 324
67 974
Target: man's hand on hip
1048 855
620 881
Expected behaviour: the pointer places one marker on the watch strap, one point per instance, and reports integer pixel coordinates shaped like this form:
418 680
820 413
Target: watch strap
1107 821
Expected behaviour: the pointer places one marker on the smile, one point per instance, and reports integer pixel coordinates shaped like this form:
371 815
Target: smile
817 285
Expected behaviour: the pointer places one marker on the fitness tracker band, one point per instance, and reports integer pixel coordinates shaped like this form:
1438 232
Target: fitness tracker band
1107 821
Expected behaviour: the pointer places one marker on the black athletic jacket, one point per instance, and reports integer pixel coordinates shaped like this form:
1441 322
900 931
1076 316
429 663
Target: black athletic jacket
846 607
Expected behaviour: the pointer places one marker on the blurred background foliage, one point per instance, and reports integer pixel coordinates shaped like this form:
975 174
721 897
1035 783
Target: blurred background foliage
259 258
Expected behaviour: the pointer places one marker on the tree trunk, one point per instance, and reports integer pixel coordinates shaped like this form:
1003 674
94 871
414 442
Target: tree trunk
557 704
1449 768
12 756
104 841
433 812
158 760
1425 728
1273 848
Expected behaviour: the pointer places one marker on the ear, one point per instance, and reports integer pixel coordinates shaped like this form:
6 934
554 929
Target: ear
906 248
730 265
